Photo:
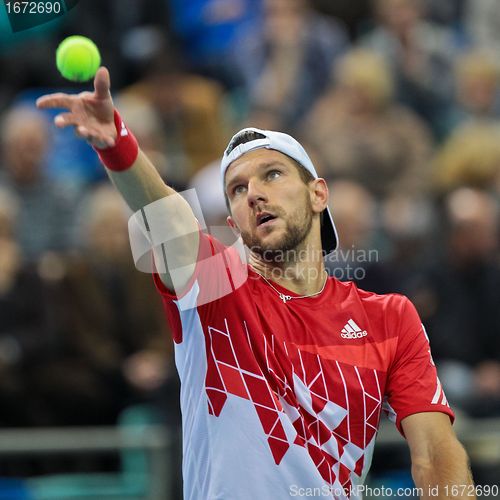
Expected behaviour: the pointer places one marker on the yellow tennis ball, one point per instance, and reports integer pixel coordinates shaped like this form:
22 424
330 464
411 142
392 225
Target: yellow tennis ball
78 58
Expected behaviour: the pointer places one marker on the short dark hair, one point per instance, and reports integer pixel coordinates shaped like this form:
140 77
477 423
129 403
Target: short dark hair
250 135
242 138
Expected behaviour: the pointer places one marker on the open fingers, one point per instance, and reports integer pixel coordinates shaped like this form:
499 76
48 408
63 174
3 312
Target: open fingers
58 100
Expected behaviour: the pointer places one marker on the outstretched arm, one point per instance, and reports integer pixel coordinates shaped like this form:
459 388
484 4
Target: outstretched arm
92 116
439 462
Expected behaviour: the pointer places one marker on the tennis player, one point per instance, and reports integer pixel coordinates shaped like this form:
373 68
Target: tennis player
284 374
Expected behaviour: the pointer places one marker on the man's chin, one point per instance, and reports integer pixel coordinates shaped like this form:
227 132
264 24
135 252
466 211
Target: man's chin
268 248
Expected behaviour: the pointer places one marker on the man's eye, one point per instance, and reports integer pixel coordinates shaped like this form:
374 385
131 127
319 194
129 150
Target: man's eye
239 189
273 174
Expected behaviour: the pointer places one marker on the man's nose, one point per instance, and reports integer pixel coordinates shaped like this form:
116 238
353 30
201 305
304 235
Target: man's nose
256 194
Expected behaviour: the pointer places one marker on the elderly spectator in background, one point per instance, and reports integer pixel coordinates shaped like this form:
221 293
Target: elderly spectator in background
420 54
477 79
45 212
286 65
359 132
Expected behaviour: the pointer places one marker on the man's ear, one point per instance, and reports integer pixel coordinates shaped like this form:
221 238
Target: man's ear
232 225
319 194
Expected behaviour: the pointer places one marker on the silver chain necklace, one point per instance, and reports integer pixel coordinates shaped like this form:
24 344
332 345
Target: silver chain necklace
286 298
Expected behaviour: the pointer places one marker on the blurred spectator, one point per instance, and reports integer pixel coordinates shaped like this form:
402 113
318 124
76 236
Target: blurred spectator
191 110
45 212
478 79
482 18
420 53
24 328
286 64
112 344
208 30
355 213
145 122
471 153
358 131
208 189
458 300
354 210
407 225
470 157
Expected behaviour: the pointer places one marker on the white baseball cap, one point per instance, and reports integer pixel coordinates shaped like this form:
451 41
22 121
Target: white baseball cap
287 145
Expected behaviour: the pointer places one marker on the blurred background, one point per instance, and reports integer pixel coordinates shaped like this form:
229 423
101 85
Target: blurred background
398 103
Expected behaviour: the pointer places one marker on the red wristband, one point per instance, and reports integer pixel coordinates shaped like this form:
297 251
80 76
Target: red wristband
123 154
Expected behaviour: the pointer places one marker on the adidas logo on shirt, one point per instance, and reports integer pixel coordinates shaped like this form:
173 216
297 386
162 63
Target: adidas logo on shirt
352 331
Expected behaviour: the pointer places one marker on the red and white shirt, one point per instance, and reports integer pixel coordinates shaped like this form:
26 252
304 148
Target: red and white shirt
275 396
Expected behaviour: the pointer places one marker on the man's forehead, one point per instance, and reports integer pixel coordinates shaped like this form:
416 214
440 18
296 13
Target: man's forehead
257 158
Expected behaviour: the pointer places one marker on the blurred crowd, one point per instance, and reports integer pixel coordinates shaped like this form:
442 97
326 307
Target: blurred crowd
397 102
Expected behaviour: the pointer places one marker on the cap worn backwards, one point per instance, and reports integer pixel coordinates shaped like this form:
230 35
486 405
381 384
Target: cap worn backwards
287 145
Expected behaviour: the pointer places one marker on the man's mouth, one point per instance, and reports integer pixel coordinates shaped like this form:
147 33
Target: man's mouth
264 218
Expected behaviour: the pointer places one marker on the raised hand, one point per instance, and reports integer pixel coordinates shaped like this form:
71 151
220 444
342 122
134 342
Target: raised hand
91 113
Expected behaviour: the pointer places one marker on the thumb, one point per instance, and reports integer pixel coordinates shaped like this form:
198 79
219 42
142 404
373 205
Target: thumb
102 83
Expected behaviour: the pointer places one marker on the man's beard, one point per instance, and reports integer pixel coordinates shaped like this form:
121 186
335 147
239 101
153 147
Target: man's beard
298 226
